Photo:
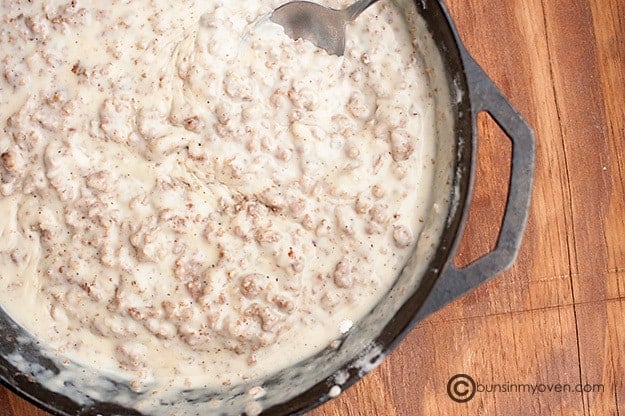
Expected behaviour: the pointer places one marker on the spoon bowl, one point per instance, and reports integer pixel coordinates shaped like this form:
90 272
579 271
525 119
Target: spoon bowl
323 26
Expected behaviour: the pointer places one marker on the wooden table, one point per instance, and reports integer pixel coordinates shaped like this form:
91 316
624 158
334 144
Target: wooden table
558 316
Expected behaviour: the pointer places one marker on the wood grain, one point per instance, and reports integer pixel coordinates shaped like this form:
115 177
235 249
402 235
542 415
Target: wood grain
558 315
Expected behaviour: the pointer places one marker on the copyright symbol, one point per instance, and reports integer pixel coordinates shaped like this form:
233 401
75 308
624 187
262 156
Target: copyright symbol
461 388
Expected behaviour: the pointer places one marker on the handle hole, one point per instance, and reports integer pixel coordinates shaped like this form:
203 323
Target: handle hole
490 190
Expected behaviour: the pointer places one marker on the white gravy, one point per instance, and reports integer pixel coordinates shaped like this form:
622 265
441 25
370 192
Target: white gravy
192 199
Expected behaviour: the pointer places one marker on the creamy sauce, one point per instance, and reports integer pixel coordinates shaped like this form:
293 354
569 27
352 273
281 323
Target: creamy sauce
192 199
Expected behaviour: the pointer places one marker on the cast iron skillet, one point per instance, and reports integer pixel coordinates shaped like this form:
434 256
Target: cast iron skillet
441 283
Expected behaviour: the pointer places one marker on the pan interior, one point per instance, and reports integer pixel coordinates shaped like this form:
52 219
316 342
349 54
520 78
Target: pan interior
33 371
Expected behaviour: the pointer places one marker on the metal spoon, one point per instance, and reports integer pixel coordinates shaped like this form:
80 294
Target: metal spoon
323 26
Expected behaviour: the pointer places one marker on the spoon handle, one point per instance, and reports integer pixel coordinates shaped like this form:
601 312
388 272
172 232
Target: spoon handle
355 9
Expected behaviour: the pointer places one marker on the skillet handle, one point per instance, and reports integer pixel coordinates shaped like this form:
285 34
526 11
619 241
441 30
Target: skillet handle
454 282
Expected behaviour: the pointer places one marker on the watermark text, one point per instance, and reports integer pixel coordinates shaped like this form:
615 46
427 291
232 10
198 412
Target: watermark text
461 388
